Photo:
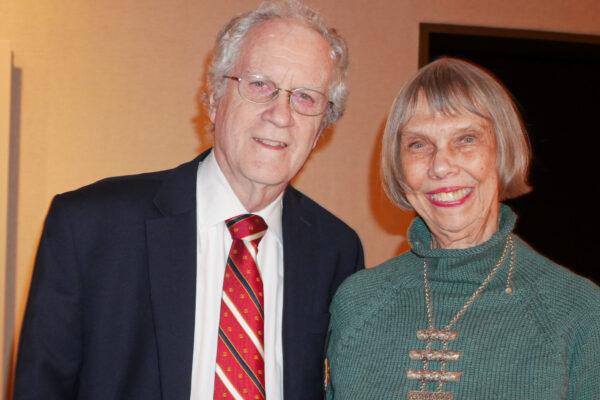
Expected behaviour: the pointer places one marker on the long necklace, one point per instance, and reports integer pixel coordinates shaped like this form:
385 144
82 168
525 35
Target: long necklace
447 335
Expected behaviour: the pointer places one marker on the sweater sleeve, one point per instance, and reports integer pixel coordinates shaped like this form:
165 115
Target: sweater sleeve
332 334
584 366
342 308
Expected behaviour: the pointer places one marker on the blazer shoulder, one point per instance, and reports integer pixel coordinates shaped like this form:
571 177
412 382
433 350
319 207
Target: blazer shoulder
296 200
120 198
136 189
118 187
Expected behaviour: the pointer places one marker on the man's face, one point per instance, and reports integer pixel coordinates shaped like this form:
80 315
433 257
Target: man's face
263 146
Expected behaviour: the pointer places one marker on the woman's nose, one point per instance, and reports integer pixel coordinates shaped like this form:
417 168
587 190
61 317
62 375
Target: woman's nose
443 164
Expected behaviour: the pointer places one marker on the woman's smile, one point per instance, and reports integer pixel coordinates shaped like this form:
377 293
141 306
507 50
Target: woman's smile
450 196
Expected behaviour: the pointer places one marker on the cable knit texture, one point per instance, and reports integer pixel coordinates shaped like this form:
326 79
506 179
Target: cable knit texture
540 342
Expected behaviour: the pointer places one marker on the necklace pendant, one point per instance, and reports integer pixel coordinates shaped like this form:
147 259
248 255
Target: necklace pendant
428 375
425 395
446 335
439 335
434 355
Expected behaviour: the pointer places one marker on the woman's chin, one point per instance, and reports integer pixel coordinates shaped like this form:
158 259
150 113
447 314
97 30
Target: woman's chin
461 229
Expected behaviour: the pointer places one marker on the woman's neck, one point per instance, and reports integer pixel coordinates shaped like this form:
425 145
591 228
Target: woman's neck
473 235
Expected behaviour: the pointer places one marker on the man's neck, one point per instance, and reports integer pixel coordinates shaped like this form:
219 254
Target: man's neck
256 197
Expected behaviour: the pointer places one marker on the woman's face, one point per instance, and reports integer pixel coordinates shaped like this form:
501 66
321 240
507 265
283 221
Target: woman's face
449 165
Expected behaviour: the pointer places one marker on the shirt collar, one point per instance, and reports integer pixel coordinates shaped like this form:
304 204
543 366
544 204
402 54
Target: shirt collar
216 201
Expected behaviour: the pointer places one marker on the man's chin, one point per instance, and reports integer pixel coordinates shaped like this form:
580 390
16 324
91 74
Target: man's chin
271 181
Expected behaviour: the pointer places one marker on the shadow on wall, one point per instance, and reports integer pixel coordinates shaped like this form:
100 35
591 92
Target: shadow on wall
10 295
392 219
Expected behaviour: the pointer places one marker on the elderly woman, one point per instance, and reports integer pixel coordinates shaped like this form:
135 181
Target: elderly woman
471 312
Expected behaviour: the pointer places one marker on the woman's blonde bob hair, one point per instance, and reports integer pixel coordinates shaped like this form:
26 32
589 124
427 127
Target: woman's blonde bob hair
450 87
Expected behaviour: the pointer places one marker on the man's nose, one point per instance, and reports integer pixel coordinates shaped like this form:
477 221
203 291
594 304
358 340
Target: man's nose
279 111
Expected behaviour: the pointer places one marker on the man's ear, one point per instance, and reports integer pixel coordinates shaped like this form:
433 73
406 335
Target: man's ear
317 138
322 128
212 107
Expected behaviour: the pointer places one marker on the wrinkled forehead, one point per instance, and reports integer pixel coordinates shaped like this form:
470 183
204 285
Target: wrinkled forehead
285 49
438 117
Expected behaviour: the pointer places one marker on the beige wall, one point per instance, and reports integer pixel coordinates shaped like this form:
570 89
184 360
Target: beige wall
109 87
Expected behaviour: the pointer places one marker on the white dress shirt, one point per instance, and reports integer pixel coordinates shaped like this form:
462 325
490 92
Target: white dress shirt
215 203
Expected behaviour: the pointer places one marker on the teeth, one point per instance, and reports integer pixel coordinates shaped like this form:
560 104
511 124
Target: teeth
451 196
273 143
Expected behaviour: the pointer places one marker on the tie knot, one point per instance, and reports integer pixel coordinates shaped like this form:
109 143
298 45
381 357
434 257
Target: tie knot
247 227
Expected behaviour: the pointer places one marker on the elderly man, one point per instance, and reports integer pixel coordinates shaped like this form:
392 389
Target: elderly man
211 280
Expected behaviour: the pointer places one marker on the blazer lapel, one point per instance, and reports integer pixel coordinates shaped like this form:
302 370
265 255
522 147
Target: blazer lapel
171 241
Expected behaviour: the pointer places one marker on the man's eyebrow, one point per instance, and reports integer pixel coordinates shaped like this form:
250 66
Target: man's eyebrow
319 87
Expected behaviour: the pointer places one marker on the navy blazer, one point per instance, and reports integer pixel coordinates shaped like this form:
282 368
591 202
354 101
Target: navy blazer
112 301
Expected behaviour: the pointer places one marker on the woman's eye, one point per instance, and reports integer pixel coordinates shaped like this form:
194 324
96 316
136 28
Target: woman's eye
416 145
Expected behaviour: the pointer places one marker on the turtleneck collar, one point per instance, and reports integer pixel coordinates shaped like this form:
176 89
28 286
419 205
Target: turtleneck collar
448 263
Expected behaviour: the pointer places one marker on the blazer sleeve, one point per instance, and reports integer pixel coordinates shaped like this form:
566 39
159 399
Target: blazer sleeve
351 259
49 355
360 256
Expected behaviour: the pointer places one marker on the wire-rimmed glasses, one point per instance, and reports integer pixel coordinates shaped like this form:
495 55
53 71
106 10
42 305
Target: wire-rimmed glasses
258 89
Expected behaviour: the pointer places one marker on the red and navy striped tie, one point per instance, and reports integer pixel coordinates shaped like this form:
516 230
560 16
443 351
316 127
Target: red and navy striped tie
240 370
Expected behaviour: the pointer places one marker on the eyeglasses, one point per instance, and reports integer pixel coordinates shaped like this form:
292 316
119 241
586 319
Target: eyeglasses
257 89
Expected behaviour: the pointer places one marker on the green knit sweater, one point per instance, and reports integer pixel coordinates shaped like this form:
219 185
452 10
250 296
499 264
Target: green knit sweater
540 342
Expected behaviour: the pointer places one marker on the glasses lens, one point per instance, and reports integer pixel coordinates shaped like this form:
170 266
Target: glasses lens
308 102
257 89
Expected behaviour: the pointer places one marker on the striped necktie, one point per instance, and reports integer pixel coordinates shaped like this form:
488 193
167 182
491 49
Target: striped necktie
240 369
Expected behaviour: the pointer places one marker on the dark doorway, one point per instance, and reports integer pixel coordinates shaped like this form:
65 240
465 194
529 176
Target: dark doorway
555 79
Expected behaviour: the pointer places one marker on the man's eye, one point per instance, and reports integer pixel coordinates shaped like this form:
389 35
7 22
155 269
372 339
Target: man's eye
468 139
257 84
260 86
304 98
